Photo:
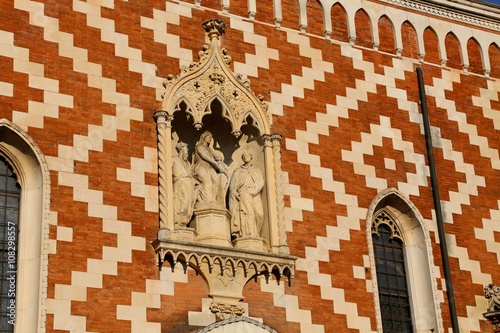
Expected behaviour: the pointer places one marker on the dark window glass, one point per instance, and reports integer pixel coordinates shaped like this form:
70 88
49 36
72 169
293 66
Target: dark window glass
391 279
9 231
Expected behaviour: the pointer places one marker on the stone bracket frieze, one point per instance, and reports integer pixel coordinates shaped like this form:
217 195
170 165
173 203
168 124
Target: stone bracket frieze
450 13
226 270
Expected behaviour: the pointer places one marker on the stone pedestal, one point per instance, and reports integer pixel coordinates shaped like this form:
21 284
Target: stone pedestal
213 226
184 234
251 243
163 234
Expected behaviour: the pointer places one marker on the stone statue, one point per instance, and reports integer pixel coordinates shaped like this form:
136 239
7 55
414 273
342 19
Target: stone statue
492 294
211 172
184 186
245 201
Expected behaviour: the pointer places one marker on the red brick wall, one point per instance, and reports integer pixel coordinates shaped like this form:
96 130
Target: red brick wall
100 307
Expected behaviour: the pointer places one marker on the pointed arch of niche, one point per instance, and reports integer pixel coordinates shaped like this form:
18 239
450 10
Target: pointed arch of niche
406 224
221 208
238 324
32 172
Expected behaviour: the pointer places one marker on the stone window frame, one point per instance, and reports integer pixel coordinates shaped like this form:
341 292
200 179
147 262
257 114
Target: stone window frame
31 168
383 218
419 260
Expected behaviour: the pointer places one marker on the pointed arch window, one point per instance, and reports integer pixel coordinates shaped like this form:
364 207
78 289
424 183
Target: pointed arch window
391 276
10 192
402 265
24 207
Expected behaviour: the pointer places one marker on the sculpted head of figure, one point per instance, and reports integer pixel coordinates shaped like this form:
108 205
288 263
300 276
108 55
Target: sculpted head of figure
206 138
247 157
182 150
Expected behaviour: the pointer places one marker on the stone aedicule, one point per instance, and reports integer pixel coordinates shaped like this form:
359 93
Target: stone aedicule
220 179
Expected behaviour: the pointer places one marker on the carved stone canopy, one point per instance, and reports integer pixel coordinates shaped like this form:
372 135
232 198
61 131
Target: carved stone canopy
221 203
211 78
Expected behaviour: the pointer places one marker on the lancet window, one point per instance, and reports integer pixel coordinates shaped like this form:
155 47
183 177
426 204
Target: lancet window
9 221
391 275
404 283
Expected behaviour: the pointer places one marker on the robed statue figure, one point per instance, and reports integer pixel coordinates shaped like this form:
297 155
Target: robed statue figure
245 201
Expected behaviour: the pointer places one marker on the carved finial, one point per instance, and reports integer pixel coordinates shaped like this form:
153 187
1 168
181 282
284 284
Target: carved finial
214 27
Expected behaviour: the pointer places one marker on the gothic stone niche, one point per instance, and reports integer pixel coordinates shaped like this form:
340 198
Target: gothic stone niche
220 179
492 294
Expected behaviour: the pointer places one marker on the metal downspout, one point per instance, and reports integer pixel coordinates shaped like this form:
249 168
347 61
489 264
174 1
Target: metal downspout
437 203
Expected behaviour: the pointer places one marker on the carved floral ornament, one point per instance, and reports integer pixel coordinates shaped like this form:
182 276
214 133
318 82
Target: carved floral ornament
492 314
221 207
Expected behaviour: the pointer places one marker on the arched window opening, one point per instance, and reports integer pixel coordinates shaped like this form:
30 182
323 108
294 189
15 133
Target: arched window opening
24 198
9 221
391 276
402 266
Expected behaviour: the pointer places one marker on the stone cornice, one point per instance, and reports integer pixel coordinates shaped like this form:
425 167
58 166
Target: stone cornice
482 15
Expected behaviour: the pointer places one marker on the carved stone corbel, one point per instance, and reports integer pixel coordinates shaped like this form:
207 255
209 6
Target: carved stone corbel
226 270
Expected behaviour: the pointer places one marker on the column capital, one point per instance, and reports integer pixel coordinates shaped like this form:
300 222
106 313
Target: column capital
163 117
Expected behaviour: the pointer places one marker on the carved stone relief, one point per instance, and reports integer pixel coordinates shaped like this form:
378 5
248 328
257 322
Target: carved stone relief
492 294
220 184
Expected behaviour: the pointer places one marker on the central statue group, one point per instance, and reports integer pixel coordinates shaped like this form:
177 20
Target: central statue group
202 185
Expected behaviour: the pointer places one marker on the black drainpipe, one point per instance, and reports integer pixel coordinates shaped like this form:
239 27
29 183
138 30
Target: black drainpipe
437 203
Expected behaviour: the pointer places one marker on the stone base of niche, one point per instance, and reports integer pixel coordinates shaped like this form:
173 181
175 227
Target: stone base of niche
225 269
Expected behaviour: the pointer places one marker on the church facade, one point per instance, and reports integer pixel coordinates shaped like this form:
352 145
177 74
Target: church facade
263 166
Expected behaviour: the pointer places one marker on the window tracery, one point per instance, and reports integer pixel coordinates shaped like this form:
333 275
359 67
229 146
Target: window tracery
9 226
390 264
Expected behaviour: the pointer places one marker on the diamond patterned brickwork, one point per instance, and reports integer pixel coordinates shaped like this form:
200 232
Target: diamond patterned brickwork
83 77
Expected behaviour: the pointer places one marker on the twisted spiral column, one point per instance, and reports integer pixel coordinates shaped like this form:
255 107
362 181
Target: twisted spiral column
272 212
280 203
164 131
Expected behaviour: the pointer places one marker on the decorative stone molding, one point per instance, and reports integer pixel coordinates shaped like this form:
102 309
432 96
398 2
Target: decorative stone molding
384 216
448 12
252 324
221 208
492 314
